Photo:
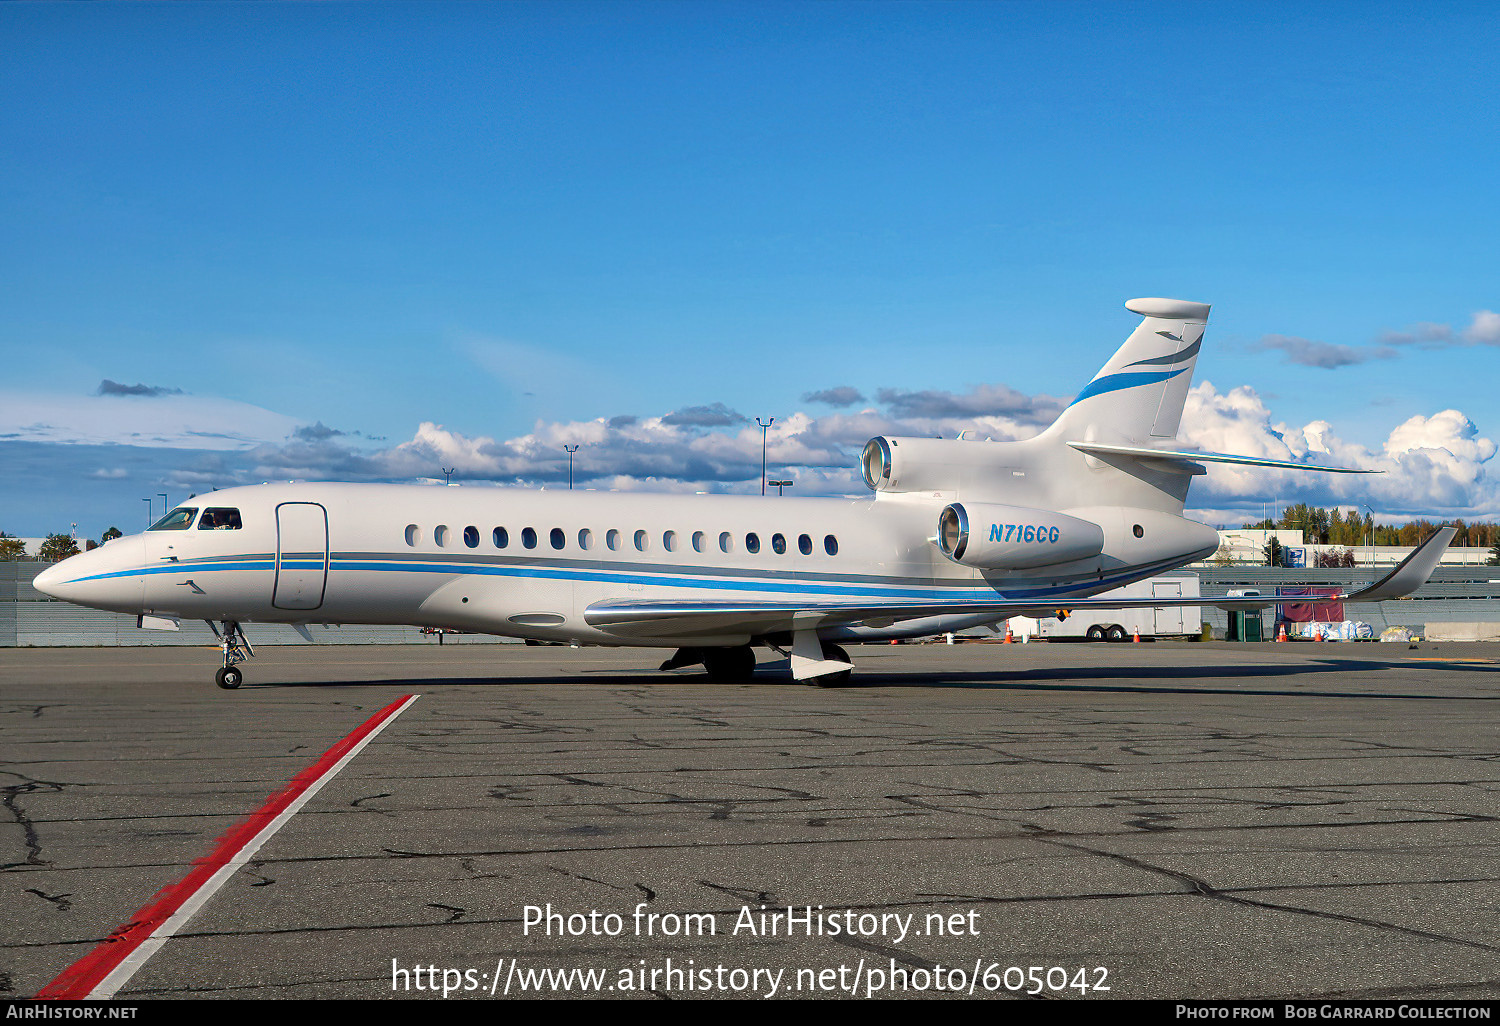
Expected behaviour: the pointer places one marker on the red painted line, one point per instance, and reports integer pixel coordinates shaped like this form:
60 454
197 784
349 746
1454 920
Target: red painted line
79 980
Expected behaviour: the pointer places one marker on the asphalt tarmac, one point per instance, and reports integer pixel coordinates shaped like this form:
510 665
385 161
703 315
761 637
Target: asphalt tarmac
1176 820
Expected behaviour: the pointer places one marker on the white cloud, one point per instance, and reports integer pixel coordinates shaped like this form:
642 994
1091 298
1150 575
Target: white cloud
1483 329
1431 465
1434 465
164 421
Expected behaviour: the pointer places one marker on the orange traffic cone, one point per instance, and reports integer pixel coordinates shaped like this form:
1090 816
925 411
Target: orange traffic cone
1281 634
895 641
1137 638
1009 638
1317 632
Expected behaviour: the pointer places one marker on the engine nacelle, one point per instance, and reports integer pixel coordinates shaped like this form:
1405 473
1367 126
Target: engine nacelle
926 464
994 537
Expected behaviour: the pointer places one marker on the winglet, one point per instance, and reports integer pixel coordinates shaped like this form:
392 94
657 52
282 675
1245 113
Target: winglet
1412 572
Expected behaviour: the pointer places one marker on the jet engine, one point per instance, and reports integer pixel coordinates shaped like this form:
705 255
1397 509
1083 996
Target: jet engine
989 536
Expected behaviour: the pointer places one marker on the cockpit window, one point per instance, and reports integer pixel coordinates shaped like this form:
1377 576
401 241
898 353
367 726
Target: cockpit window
220 518
180 519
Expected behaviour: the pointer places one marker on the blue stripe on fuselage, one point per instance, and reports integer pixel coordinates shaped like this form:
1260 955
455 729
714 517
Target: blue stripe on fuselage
895 590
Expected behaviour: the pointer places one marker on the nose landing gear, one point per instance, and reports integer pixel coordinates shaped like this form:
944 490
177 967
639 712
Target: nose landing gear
236 648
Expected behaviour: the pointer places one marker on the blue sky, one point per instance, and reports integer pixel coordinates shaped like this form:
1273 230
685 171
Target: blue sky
369 241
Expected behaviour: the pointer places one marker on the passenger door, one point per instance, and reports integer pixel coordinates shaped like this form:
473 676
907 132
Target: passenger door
301 555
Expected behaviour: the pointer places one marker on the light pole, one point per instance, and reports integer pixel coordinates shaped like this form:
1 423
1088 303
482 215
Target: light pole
148 501
571 450
779 485
164 506
447 474
1370 538
763 427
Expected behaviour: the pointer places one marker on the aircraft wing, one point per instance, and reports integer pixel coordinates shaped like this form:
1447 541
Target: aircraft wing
674 618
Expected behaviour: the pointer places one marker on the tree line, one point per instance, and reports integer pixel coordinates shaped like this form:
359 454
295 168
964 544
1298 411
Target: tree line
1334 527
54 548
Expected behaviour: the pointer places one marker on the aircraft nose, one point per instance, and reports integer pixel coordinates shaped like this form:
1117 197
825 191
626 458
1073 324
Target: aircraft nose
49 581
105 578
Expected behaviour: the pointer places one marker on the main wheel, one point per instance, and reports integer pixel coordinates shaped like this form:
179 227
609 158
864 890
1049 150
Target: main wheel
1095 633
1116 633
228 678
835 680
730 665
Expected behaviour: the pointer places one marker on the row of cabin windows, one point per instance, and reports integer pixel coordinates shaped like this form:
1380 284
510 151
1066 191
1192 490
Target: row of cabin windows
614 540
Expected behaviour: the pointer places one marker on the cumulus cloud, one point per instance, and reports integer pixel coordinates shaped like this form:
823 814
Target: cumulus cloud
716 415
843 395
980 401
316 432
1483 329
108 387
1436 464
1430 465
1327 355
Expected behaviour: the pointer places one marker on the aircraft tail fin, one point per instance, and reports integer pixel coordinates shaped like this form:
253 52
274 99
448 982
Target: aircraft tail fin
1138 395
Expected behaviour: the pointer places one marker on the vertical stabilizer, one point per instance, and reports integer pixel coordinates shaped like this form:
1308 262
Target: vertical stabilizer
1138 395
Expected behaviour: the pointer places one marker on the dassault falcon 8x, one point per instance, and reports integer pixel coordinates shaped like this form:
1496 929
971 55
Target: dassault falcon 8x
957 534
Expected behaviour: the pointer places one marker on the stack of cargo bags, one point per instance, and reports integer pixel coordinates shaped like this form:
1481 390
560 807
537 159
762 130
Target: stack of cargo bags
1348 630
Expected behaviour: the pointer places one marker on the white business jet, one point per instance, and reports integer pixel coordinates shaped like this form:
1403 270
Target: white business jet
957 534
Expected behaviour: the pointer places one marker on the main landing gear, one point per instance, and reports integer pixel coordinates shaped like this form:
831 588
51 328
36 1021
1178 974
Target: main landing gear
236 648
820 662
833 653
724 665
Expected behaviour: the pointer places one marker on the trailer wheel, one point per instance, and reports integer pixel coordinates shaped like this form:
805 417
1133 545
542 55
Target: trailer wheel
1116 633
1095 633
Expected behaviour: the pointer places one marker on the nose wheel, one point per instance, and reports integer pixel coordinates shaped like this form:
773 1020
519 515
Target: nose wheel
236 649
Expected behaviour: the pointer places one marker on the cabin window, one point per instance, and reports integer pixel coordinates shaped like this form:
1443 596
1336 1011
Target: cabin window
726 542
441 535
778 544
669 541
585 539
180 519
501 537
804 545
697 541
831 545
471 537
413 534
612 539
752 543
219 518
642 540
528 537
558 538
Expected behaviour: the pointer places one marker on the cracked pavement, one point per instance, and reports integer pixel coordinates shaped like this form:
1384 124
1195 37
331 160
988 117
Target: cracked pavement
1204 820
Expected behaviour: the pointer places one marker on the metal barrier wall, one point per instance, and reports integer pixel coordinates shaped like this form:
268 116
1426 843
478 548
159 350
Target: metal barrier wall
27 617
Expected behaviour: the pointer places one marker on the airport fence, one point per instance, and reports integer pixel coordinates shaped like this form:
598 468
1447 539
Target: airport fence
29 618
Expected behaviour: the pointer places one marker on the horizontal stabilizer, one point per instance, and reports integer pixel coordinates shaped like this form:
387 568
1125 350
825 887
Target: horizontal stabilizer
1187 456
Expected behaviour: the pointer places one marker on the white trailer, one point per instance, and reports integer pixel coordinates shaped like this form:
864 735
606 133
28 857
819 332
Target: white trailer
1122 624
